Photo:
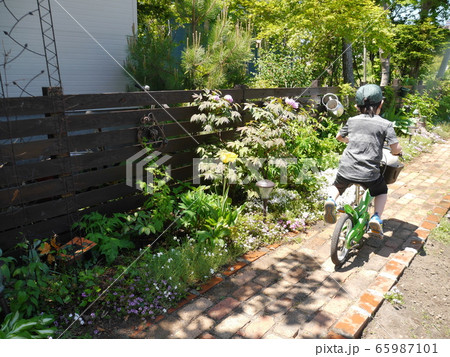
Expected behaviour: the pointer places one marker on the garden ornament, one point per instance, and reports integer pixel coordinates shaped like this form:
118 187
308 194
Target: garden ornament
333 105
265 188
150 132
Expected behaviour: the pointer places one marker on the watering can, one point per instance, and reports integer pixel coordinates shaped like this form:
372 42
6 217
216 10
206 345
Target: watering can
333 105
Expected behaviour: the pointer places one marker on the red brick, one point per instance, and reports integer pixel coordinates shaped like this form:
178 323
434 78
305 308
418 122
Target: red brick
351 325
244 292
444 204
439 210
414 242
252 256
258 327
433 218
404 256
369 302
234 268
295 274
211 283
394 268
223 308
422 233
319 325
335 336
273 246
315 242
206 336
428 225
337 305
183 302
382 284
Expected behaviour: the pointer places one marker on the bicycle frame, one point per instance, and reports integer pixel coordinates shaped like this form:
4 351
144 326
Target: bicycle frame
360 217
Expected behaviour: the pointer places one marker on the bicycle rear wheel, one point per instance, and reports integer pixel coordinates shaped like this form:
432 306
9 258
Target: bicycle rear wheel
339 252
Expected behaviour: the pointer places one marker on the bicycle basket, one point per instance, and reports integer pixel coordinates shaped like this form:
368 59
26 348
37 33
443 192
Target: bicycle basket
391 172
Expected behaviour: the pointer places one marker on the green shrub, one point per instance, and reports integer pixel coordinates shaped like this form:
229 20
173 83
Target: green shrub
150 57
14 327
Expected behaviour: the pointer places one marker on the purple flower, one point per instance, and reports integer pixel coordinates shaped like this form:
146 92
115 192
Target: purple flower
291 102
95 332
83 294
216 98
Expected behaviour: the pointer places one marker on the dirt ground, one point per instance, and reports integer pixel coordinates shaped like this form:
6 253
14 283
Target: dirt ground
425 310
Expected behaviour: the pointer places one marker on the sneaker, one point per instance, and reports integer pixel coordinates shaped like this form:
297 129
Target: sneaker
330 211
376 224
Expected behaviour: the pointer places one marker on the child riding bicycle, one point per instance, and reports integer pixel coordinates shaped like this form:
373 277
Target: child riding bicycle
365 135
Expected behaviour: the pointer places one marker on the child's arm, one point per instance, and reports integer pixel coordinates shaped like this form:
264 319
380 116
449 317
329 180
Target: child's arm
342 139
396 149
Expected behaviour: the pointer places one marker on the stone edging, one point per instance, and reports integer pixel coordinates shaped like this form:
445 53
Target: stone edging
353 322
241 262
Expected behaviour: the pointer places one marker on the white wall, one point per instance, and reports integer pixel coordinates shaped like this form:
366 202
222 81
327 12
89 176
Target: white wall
85 67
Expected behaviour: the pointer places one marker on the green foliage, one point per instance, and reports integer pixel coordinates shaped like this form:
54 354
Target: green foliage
16 327
424 104
24 279
415 47
278 69
150 57
188 264
252 231
414 147
442 232
215 111
207 216
280 142
222 63
440 92
394 296
106 232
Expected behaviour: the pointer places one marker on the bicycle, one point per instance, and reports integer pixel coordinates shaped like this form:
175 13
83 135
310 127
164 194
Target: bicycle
354 223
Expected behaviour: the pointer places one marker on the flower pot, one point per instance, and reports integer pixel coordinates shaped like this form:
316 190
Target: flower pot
75 249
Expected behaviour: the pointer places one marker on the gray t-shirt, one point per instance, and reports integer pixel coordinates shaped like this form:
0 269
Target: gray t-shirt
361 158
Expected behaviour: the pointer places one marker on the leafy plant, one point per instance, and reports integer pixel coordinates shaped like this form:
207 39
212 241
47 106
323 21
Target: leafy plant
424 104
278 69
150 57
24 279
36 327
442 232
394 296
106 232
222 62
208 216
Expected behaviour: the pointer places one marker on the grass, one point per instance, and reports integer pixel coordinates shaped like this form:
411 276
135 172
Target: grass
415 147
442 232
442 129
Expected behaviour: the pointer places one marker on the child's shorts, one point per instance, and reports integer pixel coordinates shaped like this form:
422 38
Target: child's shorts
376 188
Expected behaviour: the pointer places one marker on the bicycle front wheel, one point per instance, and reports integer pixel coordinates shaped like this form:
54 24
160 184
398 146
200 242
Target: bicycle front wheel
339 252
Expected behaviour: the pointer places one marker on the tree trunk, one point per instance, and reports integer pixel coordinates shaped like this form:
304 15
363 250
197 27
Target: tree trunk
444 63
347 62
385 67
385 61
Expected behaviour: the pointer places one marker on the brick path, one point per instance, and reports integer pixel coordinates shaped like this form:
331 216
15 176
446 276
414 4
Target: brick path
293 290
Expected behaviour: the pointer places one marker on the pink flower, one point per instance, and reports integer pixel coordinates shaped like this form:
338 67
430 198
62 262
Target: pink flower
228 98
216 98
291 102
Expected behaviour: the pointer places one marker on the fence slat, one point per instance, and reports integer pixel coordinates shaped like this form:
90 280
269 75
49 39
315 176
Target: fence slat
45 191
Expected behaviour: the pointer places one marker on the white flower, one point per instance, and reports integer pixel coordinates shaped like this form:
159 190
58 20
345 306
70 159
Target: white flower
228 98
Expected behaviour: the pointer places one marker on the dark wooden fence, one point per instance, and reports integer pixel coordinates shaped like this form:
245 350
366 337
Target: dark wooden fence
64 156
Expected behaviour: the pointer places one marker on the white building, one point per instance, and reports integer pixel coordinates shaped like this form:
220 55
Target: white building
85 65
